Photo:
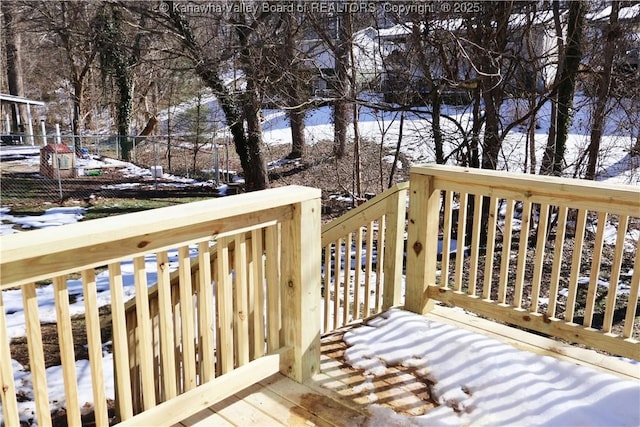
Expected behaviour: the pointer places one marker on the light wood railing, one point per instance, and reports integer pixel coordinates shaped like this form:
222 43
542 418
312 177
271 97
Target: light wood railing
363 255
201 339
535 252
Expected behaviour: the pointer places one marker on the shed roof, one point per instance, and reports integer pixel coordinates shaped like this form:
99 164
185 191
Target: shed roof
57 148
18 100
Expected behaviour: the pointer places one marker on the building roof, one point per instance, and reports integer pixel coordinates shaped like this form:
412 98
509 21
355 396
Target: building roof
18 100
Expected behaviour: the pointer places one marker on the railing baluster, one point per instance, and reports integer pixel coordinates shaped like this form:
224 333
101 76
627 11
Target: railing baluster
177 334
523 246
257 268
167 343
460 245
616 265
7 385
120 334
340 276
491 243
347 278
187 319
596 262
446 239
538 266
475 244
225 307
205 314
334 285
554 284
358 274
272 243
144 333
36 354
241 309
380 262
506 252
368 269
67 353
155 345
632 303
327 286
92 319
576 258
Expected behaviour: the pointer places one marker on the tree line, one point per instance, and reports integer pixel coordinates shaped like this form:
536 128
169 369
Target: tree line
128 60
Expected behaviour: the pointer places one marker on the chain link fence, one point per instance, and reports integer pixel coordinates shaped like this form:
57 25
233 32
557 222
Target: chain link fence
80 167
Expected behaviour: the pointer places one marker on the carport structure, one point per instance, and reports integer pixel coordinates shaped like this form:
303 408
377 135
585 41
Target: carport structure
14 129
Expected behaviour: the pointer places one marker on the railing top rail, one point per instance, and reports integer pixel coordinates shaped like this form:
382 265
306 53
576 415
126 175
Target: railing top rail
338 226
581 193
31 256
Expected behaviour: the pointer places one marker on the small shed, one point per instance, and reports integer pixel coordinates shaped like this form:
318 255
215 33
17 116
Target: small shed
57 160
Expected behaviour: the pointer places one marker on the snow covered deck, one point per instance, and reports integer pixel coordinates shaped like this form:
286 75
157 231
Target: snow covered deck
445 368
225 294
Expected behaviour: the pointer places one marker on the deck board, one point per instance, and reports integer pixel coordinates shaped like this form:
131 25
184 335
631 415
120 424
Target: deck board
339 395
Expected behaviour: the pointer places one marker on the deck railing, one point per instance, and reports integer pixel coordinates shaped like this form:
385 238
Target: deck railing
201 339
363 253
530 251
557 256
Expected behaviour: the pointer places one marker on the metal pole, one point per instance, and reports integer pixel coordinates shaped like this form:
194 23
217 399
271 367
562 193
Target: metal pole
56 164
44 133
216 164
155 163
31 138
227 154
58 137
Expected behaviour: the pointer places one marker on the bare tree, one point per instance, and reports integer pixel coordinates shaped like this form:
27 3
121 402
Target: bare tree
119 52
13 48
611 37
208 61
552 162
69 24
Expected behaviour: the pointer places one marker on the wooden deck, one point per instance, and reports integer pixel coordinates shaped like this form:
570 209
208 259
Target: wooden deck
337 397
280 401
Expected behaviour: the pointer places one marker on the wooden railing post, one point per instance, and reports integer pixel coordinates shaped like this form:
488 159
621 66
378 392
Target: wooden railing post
300 284
394 249
422 241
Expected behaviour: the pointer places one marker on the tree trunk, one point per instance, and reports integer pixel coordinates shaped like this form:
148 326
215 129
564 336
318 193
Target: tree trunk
492 96
248 147
474 151
571 63
124 108
492 81
436 104
14 62
341 108
295 90
396 156
604 88
547 157
340 127
296 119
251 158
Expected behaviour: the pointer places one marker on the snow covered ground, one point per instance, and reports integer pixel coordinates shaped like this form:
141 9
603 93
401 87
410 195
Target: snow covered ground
616 164
535 391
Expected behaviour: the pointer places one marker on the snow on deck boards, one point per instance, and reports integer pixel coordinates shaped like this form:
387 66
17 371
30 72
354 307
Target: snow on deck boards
403 394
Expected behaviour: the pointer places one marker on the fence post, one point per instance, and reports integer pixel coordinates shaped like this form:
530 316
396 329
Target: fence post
394 249
422 240
300 289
